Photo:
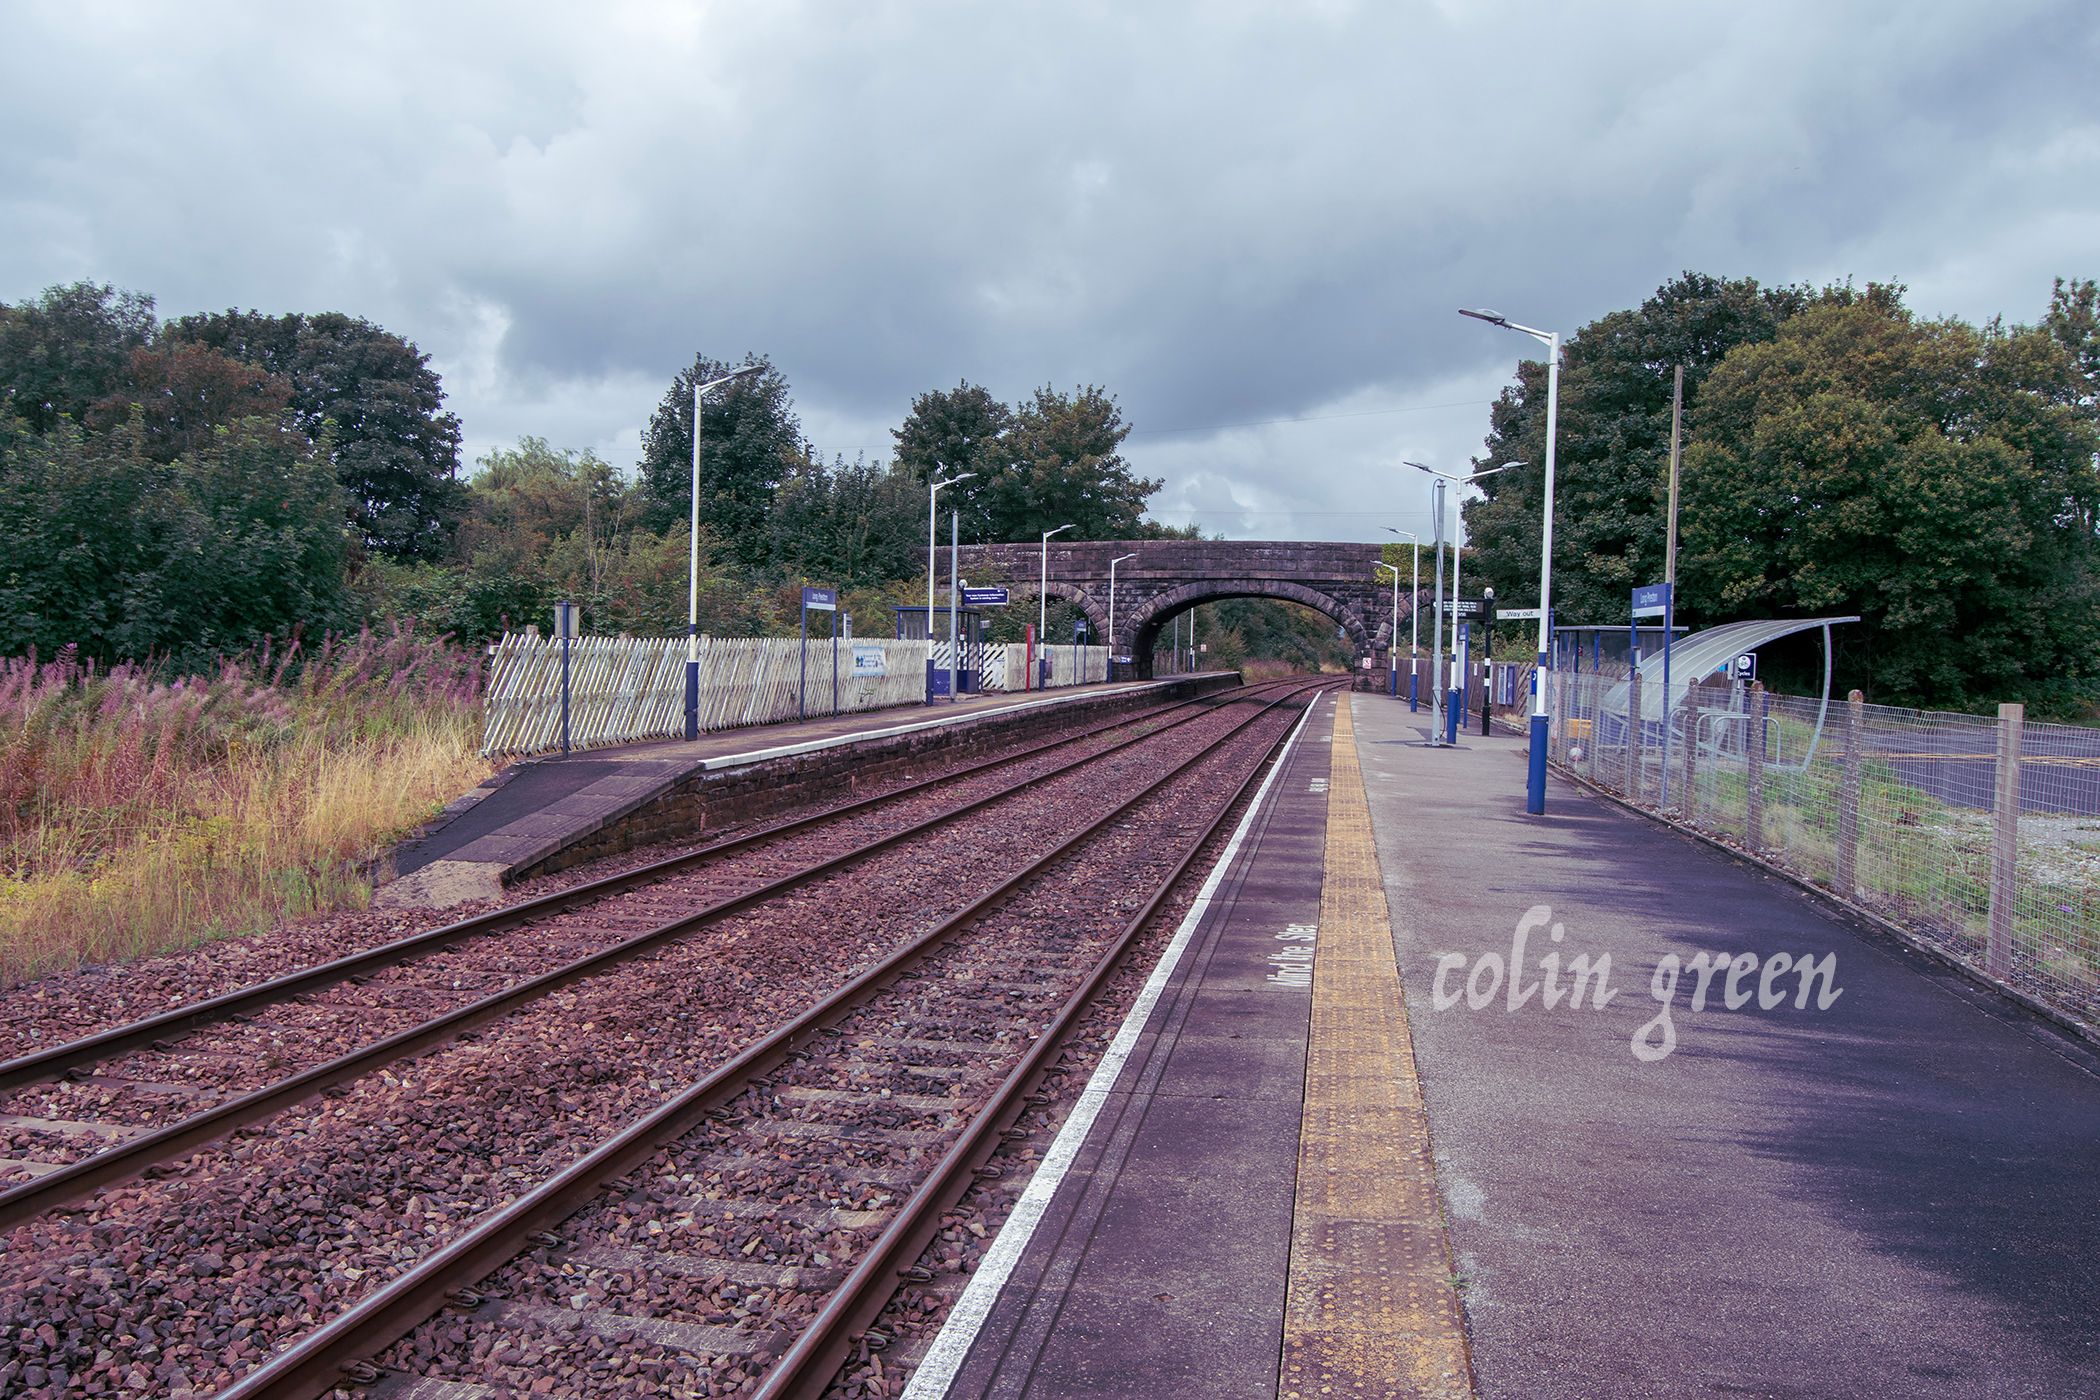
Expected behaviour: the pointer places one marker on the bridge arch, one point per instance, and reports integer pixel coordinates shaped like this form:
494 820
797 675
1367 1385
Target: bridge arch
1028 595
1160 578
1141 633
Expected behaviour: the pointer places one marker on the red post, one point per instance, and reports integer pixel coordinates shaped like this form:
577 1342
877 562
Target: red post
1030 683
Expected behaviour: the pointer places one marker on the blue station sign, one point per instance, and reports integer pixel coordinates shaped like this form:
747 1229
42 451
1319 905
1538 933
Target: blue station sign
820 599
1651 601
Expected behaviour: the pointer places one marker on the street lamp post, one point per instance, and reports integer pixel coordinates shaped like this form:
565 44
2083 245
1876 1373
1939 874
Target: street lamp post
1535 788
1457 553
1487 657
692 592
1112 612
1042 595
1436 624
1392 645
1414 616
933 491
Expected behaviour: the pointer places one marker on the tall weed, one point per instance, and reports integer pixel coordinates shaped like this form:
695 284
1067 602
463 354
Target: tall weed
140 813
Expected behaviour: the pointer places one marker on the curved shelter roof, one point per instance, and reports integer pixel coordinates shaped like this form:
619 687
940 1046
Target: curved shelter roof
1695 657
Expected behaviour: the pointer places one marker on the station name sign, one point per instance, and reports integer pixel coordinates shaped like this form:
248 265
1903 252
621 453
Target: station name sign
820 599
1652 601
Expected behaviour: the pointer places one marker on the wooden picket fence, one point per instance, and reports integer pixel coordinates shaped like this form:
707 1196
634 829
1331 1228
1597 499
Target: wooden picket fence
627 688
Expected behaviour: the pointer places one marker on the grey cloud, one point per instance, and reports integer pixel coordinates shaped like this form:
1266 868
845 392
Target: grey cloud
1222 213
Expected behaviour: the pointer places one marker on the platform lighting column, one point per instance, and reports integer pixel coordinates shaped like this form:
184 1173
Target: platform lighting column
1042 596
1414 616
954 583
933 490
1436 626
1535 789
1487 656
1392 644
692 593
1112 612
1457 550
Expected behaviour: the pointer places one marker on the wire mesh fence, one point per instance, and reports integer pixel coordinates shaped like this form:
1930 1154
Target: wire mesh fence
1979 835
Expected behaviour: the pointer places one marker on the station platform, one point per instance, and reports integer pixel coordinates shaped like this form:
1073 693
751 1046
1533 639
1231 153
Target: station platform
1358 1182
540 809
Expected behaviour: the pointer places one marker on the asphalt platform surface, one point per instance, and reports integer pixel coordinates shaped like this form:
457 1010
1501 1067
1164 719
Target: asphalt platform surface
1160 1266
1896 1195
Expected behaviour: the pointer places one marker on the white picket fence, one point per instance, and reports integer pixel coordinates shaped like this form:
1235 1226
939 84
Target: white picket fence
627 688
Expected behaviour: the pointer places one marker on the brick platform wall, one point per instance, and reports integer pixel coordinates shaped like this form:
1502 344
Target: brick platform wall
778 788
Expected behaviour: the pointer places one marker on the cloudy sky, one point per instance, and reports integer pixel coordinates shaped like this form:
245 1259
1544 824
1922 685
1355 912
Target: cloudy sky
1252 223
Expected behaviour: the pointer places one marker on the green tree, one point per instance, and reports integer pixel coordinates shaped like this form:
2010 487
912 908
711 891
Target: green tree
1062 466
1054 460
2073 321
535 496
212 552
184 395
751 441
68 350
1611 472
1929 477
372 399
952 431
853 524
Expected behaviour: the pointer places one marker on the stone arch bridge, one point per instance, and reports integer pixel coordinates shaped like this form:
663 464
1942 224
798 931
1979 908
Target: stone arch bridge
1168 577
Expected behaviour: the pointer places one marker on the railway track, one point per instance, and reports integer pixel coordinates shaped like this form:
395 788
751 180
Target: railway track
752 1226
89 1243
154 1091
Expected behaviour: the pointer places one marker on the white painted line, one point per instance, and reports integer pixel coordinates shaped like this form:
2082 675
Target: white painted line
945 1357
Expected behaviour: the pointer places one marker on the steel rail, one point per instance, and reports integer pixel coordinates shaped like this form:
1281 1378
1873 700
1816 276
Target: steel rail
50 1064
28 1199
317 1362
805 1370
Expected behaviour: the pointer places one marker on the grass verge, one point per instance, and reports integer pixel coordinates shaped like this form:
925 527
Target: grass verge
139 813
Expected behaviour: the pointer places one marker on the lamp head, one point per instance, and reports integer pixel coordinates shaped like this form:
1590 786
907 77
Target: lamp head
1493 318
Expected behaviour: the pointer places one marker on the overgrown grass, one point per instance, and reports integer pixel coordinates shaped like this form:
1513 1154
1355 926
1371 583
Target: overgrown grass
140 813
1926 864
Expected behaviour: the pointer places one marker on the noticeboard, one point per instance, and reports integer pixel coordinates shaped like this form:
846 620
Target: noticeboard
870 660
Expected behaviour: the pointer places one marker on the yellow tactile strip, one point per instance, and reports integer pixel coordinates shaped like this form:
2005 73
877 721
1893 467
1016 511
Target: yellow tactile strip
1372 1308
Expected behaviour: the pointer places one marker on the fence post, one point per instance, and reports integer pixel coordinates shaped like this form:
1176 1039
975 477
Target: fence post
1848 797
1689 801
1596 702
1754 794
1633 736
2005 831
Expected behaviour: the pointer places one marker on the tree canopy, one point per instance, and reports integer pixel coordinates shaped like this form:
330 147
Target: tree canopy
750 442
208 552
1053 460
369 398
1934 479
1613 446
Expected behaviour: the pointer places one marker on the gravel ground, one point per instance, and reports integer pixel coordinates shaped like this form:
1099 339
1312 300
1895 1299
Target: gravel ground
172 1285
736 1227
216 1063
